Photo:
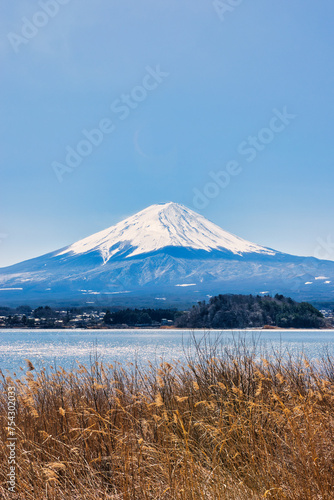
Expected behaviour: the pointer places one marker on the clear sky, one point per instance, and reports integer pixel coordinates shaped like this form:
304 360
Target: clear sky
225 109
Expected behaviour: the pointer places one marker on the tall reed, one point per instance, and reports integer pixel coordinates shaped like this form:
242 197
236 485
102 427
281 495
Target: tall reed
227 424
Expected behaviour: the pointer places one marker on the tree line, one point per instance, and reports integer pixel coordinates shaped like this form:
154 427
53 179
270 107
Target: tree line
248 311
220 312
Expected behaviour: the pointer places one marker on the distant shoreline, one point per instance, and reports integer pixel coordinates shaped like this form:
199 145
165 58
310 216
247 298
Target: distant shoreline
259 329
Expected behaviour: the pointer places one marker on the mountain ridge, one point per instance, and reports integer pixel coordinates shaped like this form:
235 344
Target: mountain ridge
164 252
159 226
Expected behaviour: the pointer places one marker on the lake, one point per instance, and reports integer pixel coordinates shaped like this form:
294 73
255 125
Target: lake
66 347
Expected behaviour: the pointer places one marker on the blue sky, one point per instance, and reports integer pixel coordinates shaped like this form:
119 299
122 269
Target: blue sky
197 85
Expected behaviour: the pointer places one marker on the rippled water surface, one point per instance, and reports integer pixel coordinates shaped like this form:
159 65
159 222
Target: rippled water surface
66 347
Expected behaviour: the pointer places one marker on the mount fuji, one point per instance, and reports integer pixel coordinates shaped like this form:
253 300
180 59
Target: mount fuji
164 255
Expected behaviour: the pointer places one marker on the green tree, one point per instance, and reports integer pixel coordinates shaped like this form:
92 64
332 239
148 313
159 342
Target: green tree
107 319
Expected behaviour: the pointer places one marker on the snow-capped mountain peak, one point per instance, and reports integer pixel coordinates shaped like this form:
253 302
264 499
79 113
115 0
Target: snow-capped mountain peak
159 226
165 252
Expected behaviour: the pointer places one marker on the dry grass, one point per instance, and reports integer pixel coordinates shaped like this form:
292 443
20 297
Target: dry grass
221 427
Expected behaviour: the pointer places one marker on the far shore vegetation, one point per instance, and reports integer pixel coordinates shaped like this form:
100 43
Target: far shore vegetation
221 312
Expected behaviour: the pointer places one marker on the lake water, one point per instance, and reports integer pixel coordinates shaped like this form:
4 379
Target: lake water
66 347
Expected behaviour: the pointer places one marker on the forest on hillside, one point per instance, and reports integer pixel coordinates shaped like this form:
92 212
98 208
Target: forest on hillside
248 311
222 311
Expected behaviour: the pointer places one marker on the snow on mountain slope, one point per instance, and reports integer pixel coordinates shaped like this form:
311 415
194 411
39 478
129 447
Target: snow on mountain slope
176 255
160 226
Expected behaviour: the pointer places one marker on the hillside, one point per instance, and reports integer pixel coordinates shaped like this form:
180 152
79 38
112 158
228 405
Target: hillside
247 311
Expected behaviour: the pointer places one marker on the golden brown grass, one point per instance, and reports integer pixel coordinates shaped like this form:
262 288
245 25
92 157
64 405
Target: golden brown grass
227 427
